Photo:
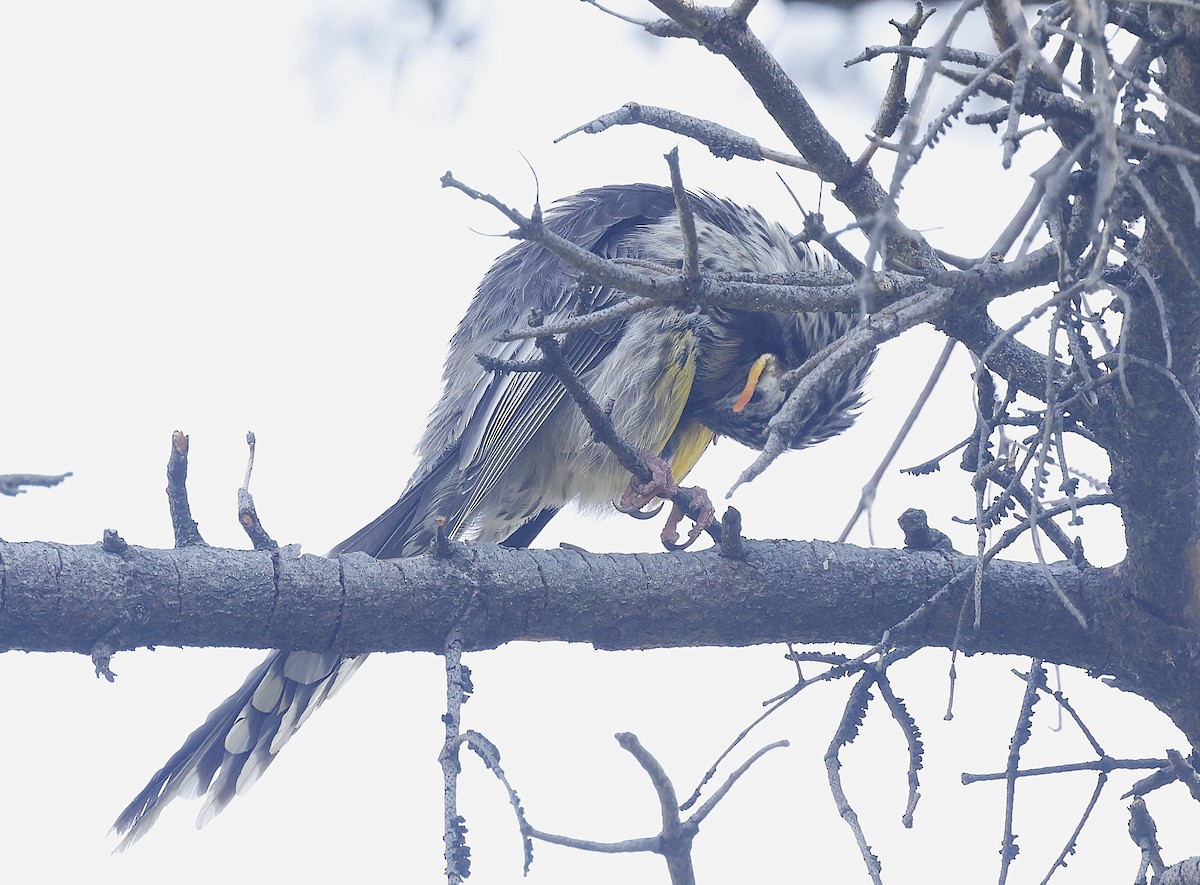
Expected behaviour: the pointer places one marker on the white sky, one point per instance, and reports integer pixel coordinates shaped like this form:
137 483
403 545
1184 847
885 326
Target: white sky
218 219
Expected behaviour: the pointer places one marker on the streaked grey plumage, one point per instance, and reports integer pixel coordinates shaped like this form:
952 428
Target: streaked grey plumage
502 453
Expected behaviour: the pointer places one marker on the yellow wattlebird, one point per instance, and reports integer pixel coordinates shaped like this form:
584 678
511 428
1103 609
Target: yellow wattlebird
503 452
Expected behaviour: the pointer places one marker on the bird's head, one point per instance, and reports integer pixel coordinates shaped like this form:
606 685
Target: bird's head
756 389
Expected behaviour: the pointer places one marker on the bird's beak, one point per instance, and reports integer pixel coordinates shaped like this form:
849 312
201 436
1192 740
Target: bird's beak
756 371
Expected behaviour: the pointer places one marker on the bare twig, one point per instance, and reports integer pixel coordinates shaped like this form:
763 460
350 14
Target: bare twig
718 794
867 497
847 731
1069 848
674 841
1143 832
12 484
723 142
1034 682
487 751
454 834
247 513
687 221
1103 764
658 287
187 533
838 357
895 104
912 737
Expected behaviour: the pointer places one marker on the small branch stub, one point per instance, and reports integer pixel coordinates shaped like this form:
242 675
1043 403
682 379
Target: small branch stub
732 543
918 535
102 654
114 543
187 532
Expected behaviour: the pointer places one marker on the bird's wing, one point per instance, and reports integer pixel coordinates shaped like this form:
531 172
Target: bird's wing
515 406
511 408
485 419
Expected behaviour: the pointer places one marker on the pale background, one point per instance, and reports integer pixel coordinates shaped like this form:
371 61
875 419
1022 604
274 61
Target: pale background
227 217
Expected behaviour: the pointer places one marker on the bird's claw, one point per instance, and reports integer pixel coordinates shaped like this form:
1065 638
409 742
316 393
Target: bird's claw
662 485
703 515
637 512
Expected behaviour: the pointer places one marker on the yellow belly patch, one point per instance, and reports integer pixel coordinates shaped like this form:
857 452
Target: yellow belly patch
693 440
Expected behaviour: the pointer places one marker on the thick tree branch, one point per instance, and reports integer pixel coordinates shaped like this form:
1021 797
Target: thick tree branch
57 597
1153 438
60 597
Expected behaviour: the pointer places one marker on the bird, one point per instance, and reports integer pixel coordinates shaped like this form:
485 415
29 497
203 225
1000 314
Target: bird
503 452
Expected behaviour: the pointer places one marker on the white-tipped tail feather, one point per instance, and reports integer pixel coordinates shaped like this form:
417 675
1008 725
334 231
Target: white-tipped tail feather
226 755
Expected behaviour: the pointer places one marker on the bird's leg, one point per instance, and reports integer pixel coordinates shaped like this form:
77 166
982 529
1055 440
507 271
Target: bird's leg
662 485
701 511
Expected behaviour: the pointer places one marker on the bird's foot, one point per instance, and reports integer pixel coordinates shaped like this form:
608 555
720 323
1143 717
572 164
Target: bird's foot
662 485
701 511
639 494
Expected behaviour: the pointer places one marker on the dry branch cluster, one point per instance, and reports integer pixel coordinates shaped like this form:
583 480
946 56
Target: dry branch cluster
1103 254
1103 257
